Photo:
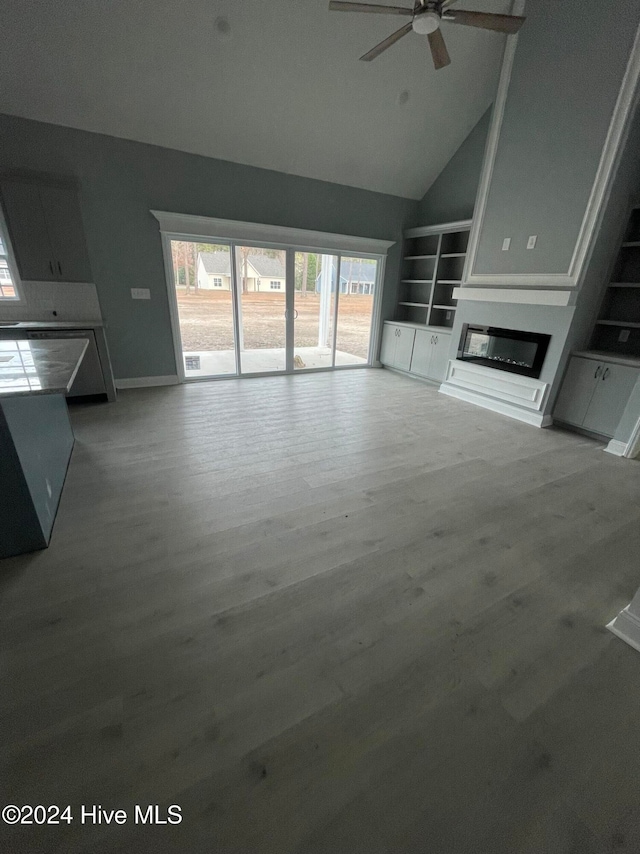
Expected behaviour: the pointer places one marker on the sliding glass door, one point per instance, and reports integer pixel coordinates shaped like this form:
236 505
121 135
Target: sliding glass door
358 278
242 309
204 299
261 275
314 310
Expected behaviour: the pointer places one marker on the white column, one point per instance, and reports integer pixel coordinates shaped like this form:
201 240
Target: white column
325 301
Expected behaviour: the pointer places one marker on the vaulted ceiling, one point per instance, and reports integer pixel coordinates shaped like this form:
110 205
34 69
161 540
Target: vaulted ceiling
281 88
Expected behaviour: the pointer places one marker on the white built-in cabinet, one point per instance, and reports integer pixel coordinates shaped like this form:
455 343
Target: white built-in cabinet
397 346
594 394
416 349
46 230
430 354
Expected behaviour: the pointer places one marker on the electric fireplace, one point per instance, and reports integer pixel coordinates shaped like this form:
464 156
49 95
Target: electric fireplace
504 349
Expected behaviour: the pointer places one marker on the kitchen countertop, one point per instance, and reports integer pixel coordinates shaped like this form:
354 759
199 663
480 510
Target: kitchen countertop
50 324
39 367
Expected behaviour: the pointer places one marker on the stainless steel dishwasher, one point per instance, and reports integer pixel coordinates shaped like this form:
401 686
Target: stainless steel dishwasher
89 379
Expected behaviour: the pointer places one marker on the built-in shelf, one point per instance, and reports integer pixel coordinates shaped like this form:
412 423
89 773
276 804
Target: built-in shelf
617 330
624 323
438 251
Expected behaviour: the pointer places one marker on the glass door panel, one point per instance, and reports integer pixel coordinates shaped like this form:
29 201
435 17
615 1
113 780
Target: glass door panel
358 280
262 308
314 310
204 296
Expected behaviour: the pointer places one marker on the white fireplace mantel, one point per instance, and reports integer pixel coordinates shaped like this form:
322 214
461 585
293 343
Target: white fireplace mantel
523 296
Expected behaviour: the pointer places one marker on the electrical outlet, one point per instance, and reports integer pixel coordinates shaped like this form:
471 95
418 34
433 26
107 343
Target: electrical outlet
140 293
623 337
531 242
506 244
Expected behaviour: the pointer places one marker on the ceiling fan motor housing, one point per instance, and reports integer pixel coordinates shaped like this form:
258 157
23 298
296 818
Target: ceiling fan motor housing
427 21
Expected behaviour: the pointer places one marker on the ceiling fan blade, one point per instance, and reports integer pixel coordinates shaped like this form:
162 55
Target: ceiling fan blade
485 20
439 50
338 6
392 39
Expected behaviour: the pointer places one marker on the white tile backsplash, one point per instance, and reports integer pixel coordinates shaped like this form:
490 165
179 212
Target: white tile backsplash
70 301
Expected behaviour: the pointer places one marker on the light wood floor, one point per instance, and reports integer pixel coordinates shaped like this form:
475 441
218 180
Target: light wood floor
328 613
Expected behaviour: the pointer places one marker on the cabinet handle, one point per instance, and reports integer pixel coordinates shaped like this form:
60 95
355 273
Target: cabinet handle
51 267
605 375
597 373
60 268
431 342
436 341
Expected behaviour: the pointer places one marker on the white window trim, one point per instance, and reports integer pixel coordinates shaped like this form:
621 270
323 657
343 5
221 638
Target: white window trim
11 263
276 235
217 281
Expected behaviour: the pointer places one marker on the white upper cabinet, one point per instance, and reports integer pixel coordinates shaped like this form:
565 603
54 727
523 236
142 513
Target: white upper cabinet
46 230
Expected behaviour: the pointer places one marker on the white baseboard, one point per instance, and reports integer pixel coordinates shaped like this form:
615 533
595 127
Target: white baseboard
627 627
617 448
147 382
536 419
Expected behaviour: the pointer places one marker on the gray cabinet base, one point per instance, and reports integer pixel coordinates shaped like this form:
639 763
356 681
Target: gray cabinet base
36 441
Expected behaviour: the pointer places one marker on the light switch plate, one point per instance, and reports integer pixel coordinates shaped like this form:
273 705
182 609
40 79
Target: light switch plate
531 242
506 244
140 293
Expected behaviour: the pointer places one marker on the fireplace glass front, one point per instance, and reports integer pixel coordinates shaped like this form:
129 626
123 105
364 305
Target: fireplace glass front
504 349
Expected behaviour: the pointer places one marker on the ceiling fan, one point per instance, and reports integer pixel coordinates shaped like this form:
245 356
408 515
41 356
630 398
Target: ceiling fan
426 18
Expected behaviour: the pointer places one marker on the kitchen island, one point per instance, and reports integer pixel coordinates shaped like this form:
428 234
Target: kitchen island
36 438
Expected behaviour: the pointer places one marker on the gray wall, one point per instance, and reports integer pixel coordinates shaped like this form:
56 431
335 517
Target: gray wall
569 64
452 195
120 181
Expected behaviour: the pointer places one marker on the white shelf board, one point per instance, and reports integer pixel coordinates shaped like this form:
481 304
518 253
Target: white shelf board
416 281
449 282
619 323
416 304
445 307
418 257
453 255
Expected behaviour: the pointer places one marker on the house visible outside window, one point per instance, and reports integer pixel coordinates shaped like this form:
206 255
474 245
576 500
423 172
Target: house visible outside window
275 286
8 278
217 282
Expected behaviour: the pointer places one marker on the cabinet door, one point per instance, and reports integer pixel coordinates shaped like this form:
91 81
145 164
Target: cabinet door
577 390
66 233
610 397
388 347
28 231
404 347
422 351
440 356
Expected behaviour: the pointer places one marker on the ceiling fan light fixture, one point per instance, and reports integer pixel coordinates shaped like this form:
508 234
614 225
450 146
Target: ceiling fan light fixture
425 23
